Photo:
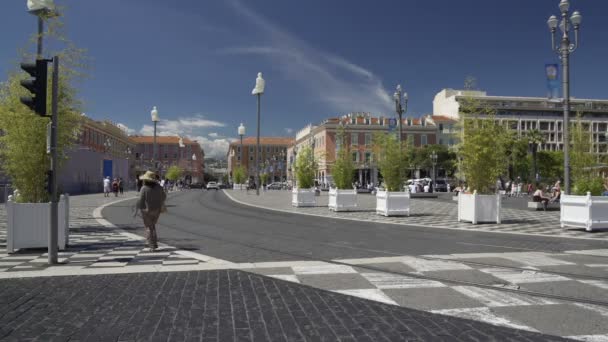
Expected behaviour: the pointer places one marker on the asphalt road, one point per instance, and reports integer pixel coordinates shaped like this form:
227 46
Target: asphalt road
209 223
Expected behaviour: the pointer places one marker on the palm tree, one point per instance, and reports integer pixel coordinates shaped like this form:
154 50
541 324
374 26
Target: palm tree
535 138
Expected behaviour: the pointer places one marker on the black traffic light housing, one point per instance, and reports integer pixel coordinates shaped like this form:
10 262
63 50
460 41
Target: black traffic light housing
36 85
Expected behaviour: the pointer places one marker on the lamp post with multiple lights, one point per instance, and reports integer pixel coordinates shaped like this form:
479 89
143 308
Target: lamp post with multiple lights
155 120
434 161
564 49
241 132
400 107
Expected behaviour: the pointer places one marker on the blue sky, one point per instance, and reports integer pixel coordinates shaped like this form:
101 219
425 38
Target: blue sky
197 60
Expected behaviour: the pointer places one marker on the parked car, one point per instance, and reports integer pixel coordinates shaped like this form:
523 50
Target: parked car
197 185
441 185
213 185
274 186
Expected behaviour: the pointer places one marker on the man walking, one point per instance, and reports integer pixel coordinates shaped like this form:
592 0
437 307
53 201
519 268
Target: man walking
106 187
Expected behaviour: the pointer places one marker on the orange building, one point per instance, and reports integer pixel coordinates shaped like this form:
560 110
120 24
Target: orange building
272 156
190 157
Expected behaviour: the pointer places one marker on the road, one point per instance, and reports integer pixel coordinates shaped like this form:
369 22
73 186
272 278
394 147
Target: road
210 223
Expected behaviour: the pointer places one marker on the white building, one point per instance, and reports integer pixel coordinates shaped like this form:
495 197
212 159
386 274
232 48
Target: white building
528 113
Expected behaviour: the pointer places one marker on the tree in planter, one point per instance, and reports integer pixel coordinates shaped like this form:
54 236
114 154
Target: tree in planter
481 146
239 175
306 167
343 168
174 173
392 160
581 160
23 142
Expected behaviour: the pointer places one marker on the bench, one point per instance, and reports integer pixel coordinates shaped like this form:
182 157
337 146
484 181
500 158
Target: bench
539 205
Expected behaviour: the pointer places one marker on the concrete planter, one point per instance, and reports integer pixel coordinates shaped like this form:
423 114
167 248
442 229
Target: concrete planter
342 200
478 208
239 186
29 224
587 212
393 203
303 197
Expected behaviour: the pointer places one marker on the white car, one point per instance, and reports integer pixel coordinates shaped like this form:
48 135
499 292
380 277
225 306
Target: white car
212 185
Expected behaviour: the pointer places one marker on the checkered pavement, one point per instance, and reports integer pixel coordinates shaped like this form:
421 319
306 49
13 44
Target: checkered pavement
385 279
95 248
425 213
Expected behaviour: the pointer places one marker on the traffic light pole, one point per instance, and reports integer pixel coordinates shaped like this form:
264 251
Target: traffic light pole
53 234
40 33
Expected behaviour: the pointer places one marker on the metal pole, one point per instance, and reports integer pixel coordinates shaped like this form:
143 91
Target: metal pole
154 149
241 154
53 234
400 129
40 33
257 151
566 90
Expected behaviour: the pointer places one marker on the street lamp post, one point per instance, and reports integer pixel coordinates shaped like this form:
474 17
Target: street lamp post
155 119
434 161
400 108
258 91
241 132
192 166
564 49
40 8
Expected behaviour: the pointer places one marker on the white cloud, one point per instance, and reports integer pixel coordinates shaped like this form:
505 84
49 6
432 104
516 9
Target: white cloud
341 84
192 128
289 130
125 128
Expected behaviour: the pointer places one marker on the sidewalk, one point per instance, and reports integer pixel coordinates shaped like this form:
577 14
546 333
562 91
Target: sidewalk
98 247
424 212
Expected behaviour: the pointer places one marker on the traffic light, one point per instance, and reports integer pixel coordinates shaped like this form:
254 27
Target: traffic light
36 85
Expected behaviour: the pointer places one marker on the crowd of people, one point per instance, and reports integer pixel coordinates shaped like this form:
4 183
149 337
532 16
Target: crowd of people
115 186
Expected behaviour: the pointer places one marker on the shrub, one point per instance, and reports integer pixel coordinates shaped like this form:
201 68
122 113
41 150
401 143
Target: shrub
305 168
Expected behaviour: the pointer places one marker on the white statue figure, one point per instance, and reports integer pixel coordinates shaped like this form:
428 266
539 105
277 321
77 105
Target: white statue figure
259 85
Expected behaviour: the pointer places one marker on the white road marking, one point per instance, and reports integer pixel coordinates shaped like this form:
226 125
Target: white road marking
484 315
494 298
323 269
521 277
391 281
371 294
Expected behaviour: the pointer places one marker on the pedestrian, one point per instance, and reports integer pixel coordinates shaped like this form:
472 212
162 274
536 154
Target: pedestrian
539 197
120 186
605 193
449 188
151 203
115 187
106 186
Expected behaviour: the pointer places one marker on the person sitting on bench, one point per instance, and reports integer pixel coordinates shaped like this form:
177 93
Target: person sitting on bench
539 197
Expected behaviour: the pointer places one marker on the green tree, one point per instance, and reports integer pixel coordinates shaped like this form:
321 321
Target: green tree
550 165
306 167
585 178
23 143
174 173
343 168
535 138
516 149
239 175
392 160
481 144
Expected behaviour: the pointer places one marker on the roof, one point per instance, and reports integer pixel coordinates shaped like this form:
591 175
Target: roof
441 118
279 141
146 139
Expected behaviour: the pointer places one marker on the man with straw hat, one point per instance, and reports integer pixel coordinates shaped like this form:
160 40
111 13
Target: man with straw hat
151 202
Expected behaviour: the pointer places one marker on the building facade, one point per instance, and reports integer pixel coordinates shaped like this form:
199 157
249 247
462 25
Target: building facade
272 157
359 129
190 158
523 114
102 150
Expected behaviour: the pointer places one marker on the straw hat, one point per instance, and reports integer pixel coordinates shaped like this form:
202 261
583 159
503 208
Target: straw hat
149 176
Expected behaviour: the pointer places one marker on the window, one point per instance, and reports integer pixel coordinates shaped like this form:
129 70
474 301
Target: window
174 155
238 158
250 158
441 127
267 149
440 141
368 139
355 157
338 143
423 140
354 139
238 149
137 155
250 149
368 157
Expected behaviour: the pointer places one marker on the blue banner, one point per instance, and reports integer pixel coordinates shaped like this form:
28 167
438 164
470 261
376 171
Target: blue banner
553 88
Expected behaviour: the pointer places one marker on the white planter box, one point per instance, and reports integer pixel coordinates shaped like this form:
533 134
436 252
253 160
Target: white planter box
342 200
29 224
303 197
239 186
478 208
393 203
587 212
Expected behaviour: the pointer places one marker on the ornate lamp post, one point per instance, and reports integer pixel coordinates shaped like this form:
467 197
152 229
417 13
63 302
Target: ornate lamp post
434 161
191 165
260 84
400 108
155 119
241 132
564 49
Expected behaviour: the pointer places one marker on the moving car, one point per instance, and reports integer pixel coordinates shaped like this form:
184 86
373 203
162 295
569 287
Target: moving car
441 185
212 185
197 186
275 186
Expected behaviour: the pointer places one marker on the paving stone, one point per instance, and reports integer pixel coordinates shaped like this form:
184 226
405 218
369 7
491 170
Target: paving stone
431 298
336 281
